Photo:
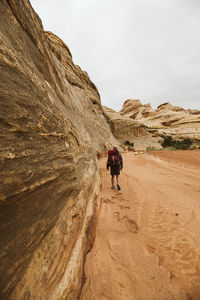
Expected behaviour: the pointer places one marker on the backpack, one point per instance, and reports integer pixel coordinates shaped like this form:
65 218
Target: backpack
114 158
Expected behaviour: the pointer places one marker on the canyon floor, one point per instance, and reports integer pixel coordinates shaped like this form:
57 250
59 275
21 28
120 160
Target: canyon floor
147 244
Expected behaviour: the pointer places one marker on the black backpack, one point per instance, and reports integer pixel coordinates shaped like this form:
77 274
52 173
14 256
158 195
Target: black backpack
114 158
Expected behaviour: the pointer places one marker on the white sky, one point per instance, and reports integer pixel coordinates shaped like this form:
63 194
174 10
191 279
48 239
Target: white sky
132 49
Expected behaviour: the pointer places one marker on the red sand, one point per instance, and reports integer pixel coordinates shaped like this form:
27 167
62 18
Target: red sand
147 244
188 158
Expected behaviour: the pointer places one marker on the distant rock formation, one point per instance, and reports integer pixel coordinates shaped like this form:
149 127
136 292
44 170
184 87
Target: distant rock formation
126 127
123 126
52 125
145 127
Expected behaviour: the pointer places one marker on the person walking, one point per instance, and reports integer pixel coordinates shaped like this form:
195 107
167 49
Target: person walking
115 163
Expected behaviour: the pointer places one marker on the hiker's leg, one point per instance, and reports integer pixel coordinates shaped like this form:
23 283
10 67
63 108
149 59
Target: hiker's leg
112 180
117 176
118 187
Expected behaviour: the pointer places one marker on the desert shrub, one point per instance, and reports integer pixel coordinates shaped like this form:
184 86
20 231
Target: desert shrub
176 144
169 148
168 141
187 141
180 145
194 147
150 148
128 143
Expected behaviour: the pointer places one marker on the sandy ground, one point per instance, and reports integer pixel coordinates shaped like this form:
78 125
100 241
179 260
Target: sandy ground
147 244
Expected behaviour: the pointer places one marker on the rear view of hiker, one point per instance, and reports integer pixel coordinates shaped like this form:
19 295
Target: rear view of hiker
115 163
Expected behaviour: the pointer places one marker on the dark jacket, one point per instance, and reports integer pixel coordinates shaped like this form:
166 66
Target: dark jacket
120 161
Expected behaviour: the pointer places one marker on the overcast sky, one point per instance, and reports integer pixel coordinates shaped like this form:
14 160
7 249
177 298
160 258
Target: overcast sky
132 49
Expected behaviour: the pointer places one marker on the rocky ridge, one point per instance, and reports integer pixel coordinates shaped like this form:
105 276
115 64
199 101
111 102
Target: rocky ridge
146 127
50 115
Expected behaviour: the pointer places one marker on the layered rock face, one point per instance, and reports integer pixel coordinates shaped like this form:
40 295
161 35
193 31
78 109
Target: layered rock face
167 119
126 128
175 121
52 125
134 109
146 126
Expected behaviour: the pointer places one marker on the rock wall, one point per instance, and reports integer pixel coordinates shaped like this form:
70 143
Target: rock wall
126 128
145 127
166 119
52 125
123 127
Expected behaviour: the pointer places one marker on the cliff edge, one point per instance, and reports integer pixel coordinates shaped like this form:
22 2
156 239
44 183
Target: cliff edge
50 116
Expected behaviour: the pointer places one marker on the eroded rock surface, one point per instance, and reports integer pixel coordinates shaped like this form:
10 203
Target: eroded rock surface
144 126
126 128
168 119
52 125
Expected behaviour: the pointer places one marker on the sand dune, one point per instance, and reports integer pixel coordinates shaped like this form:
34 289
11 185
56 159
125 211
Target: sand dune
147 244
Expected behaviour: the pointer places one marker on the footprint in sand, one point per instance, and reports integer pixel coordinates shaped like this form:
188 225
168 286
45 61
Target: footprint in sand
124 207
117 215
107 200
131 224
119 199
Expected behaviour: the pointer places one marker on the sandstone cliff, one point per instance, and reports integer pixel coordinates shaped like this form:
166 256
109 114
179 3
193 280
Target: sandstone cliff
145 127
126 128
52 125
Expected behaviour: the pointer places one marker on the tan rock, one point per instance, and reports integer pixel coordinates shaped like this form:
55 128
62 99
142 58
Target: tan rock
124 128
194 111
130 106
52 126
144 126
166 119
134 109
165 105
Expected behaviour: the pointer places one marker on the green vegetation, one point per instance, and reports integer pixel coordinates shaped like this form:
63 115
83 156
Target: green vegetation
150 148
171 143
169 148
128 143
194 147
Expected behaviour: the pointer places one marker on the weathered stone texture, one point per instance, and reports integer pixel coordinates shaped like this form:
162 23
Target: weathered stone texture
145 127
52 125
126 128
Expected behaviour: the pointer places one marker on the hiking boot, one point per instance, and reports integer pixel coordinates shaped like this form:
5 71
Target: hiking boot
118 187
113 187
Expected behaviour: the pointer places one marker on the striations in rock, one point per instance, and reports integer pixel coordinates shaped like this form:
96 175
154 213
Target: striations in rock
126 127
145 127
52 125
123 126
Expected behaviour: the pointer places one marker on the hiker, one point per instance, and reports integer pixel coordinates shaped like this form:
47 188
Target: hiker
115 163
